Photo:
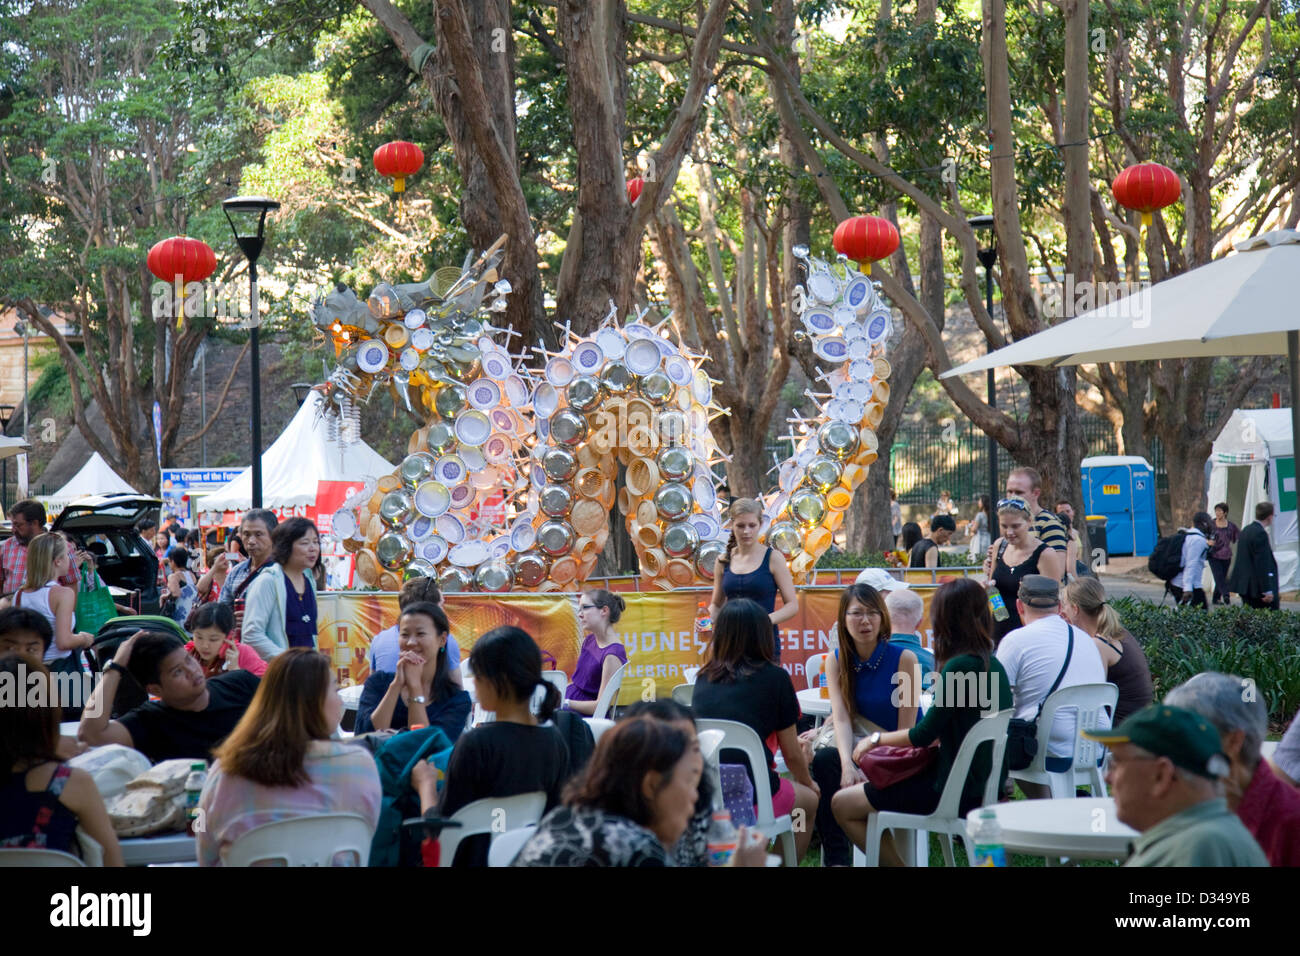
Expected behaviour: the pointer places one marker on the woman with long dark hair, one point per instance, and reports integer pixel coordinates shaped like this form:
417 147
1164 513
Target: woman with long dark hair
749 570
279 762
870 681
42 799
971 684
510 755
420 692
740 682
631 805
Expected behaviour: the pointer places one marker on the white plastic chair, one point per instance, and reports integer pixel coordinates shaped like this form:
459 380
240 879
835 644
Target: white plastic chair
738 736
946 820
506 847
813 667
24 856
683 694
559 679
610 693
690 673
1088 699
310 840
487 816
598 726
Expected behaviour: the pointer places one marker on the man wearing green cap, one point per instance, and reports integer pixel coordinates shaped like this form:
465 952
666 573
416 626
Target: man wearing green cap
1165 770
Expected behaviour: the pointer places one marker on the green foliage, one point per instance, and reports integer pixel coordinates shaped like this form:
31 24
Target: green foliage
876 559
1181 642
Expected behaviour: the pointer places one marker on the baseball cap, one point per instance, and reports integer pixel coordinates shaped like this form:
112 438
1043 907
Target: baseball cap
942 521
1184 737
881 580
1038 590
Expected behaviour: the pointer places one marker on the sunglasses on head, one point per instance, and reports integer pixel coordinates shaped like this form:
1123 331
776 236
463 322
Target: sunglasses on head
1013 503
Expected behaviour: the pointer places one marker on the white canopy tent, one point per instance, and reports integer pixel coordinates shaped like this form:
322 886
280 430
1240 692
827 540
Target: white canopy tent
1253 460
94 478
301 457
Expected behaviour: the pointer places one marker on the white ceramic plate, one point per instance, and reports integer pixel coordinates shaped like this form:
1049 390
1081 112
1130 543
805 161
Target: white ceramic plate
344 524
434 549
409 359
611 343
496 365
484 394
516 391
469 554
421 339
858 293
545 401
432 499
450 470
679 370
523 534
462 496
635 330
702 488
819 321
705 524
472 428
587 357
420 529
451 528
414 319
879 325
702 388
642 356
372 356
496 449
472 457
823 287
559 371
861 370
832 348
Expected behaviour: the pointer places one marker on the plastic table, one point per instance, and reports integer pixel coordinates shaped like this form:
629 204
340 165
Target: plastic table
1080 828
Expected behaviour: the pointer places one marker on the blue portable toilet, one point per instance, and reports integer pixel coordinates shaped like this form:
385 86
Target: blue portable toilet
1123 488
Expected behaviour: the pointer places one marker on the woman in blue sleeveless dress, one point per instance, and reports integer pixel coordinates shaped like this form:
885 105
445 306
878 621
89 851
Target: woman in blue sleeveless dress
749 570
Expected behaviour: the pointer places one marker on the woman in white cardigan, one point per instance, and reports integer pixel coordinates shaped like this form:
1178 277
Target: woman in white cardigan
280 608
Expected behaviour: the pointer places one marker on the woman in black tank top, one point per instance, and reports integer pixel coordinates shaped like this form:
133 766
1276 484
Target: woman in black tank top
1017 553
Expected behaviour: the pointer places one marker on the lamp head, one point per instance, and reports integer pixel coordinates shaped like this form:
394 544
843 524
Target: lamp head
247 218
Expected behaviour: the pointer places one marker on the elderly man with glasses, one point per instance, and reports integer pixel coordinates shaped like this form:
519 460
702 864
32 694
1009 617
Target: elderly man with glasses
1268 806
1165 775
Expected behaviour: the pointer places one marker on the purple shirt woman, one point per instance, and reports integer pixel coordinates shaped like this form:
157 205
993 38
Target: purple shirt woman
602 653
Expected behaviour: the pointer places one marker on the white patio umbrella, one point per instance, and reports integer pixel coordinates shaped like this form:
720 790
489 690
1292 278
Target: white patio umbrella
12 446
1242 304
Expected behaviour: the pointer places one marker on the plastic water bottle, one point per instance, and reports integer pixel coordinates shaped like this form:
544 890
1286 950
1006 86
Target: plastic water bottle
987 837
703 624
824 688
193 787
997 605
723 838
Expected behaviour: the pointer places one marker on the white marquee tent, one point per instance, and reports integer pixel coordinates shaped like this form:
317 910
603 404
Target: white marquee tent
1253 460
302 456
94 478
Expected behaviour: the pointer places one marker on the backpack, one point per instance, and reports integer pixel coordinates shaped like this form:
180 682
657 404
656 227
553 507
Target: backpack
1166 559
395 758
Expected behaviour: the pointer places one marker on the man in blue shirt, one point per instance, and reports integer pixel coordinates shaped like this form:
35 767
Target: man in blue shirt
384 650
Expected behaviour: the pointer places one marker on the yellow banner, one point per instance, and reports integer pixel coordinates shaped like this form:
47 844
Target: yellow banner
657 629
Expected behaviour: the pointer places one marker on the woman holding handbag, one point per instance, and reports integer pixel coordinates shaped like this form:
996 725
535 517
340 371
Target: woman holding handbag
862 678
963 650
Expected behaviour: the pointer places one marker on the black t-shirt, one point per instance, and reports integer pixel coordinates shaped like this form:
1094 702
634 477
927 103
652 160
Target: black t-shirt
761 698
502 759
164 733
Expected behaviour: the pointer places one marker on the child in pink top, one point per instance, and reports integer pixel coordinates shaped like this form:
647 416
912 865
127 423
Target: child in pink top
213 649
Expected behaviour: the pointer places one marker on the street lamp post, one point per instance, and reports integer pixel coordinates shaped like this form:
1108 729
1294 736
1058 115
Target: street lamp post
300 391
247 218
6 416
987 256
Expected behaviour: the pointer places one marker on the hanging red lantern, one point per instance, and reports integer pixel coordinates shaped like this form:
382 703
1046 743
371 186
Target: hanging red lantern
397 160
634 187
866 239
181 260
1147 187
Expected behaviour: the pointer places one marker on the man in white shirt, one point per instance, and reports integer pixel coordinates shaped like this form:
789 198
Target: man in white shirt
1033 656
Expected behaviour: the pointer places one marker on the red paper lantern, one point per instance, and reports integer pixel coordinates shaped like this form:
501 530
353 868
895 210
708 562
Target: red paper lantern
634 187
866 239
182 259
1146 187
397 160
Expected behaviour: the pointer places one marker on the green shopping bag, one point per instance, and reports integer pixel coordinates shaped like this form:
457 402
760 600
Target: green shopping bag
95 606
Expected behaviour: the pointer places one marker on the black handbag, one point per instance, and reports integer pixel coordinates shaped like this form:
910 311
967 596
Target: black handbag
1022 735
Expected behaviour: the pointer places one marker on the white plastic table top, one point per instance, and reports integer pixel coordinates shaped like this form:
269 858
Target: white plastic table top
351 696
166 848
812 703
1080 827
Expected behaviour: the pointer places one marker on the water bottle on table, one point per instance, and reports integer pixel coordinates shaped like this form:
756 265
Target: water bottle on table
193 788
722 839
989 850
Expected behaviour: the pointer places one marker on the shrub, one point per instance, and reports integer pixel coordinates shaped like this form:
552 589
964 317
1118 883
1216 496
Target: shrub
876 559
1181 642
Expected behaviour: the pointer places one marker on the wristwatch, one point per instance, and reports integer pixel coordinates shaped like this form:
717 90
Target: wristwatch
875 739
115 666
421 700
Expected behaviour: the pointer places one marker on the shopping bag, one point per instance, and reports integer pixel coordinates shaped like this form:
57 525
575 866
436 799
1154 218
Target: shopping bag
95 606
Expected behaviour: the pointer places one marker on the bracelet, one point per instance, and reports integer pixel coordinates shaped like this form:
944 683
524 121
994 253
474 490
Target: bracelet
418 727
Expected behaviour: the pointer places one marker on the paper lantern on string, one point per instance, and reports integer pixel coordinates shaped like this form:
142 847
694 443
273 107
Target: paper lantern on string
634 187
866 239
181 260
1146 187
397 160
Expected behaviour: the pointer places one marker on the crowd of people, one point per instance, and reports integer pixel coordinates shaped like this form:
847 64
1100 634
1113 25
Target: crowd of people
250 692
